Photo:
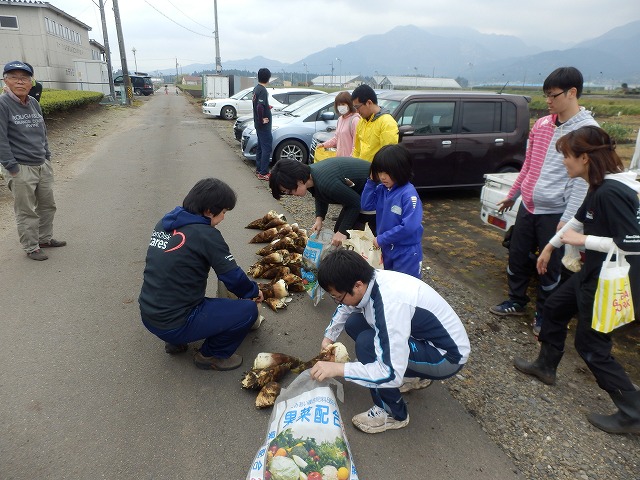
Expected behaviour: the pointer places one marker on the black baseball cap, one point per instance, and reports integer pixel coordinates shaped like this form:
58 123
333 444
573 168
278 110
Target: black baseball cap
17 65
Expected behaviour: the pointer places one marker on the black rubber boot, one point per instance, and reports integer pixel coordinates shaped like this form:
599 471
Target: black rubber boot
544 367
625 420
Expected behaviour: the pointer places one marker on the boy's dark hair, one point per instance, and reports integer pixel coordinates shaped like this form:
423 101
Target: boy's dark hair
395 161
264 74
209 194
564 78
363 93
599 147
285 174
341 269
344 97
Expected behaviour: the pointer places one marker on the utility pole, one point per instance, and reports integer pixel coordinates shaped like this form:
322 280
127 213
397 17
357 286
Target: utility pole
105 36
176 71
306 75
135 60
332 73
217 40
123 55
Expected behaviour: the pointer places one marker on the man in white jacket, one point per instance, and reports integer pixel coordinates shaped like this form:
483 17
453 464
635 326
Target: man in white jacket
405 334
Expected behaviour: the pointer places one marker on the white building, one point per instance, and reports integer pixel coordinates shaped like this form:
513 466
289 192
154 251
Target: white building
56 44
413 83
340 81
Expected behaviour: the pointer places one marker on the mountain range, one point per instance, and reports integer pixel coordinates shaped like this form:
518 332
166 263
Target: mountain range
463 52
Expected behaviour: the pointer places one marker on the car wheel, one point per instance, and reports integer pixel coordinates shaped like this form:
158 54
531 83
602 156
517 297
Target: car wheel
137 91
291 149
228 113
508 169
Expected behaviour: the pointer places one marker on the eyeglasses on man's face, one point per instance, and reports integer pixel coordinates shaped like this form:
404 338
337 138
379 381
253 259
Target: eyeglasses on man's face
553 96
357 107
338 301
18 78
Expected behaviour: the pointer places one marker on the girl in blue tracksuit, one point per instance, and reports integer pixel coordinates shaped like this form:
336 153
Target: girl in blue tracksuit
398 210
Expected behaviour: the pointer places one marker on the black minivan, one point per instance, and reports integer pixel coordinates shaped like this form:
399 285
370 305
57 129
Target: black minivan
141 85
456 137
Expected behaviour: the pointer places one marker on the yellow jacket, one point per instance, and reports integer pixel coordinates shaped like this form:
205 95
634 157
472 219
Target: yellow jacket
373 133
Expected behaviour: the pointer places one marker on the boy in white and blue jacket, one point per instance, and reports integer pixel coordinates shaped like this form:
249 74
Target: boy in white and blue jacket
405 335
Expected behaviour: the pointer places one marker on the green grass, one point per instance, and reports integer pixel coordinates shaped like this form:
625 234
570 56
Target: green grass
190 87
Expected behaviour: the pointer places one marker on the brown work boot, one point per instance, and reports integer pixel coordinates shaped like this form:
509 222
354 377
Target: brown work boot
53 243
215 363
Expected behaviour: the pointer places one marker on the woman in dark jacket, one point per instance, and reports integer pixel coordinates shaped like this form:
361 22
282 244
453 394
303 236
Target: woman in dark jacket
609 216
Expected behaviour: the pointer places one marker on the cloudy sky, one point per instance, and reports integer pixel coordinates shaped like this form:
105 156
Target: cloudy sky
166 31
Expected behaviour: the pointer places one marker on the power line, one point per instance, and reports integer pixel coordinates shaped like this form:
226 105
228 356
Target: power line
208 28
181 26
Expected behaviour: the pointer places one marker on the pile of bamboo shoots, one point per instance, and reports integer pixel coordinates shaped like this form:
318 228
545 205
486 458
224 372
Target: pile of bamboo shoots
281 258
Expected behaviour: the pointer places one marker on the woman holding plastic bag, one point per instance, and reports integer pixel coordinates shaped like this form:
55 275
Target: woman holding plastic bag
345 137
610 217
338 180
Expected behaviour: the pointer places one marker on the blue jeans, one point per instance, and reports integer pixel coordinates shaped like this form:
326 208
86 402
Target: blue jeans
263 151
222 322
425 361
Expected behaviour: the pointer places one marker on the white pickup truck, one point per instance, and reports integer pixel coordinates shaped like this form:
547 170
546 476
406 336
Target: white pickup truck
495 189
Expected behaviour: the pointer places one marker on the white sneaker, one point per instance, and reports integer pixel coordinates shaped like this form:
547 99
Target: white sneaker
414 383
257 323
376 420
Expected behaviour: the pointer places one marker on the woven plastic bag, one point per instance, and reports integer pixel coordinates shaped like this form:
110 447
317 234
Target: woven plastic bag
612 305
361 241
306 437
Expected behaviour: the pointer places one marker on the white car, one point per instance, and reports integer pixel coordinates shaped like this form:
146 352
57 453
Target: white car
241 102
293 132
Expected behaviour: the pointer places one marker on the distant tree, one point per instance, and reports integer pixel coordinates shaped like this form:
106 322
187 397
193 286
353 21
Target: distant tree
463 82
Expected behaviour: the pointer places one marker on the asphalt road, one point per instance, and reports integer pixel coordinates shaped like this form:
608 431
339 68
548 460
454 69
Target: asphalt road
86 392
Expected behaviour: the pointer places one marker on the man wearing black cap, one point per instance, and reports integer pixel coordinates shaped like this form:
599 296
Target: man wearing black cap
25 161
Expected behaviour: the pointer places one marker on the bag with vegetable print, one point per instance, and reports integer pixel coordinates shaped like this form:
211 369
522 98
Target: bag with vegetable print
318 245
306 438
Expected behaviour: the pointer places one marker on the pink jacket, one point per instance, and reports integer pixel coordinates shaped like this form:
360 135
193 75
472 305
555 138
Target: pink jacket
345 135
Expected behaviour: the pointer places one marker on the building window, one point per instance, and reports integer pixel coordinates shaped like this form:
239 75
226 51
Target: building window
8 22
61 31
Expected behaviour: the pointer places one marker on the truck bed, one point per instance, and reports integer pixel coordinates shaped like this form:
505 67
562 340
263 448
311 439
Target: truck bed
495 189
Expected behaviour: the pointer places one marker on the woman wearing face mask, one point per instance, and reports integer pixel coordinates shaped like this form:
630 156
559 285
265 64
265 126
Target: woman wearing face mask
344 138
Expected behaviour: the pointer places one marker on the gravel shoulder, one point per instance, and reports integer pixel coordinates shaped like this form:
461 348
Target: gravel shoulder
544 429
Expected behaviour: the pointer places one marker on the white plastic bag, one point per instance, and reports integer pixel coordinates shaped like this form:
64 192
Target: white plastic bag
361 241
306 436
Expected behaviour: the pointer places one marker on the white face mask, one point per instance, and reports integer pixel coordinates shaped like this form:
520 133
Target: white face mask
342 109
